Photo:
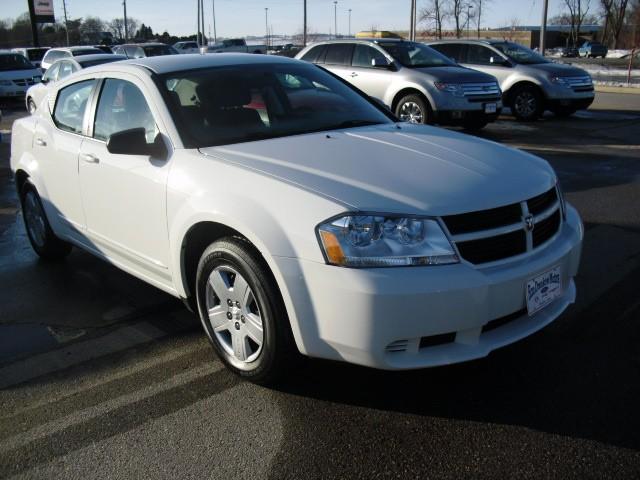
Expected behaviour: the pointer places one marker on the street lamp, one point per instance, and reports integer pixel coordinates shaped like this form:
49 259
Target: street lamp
335 18
349 22
469 7
266 26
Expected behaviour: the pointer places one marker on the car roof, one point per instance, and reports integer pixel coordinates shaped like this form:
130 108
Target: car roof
146 44
361 40
481 41
97 56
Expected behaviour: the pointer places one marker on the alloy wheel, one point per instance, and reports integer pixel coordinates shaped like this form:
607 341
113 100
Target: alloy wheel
411 112
525 104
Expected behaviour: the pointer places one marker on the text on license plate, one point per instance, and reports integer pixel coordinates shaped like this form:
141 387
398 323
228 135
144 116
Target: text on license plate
543 289
490 108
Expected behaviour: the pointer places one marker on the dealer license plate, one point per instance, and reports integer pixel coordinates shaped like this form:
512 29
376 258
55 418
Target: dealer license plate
543 289
490 108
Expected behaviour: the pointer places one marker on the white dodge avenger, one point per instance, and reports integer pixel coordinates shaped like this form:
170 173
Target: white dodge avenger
294 214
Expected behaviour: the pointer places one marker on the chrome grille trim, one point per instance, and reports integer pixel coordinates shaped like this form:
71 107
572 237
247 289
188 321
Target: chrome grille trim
481 89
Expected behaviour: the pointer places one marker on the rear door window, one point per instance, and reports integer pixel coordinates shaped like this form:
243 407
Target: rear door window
339 54
70 106
450 50
363 56
479 55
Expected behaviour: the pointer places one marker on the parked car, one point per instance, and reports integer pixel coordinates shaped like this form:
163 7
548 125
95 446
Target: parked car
593 50
417 83
33 54
187 47
236 45
141 50
17 74
105 48
288 50
54 54
569 52
311 221
531 83
60 70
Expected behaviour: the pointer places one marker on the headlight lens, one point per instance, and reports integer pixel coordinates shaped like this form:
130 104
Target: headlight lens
453 88
385 241
6 83
559 81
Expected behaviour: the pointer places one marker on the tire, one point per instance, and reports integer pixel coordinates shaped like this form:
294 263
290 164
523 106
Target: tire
248 330
31 106
526 103
43 241
414 108
475 125
564 112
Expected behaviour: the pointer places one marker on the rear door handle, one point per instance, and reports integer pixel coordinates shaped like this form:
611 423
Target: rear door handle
89 158
40 142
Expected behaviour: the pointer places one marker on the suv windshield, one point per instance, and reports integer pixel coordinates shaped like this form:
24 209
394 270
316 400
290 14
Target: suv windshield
520 54
243 103
415 55
14 61
157 50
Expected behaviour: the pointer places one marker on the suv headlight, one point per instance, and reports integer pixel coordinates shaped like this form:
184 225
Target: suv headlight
454 88
37 78
559 81
385 241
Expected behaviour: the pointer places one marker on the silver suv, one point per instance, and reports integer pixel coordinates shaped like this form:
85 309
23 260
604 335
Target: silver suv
416 82
531 83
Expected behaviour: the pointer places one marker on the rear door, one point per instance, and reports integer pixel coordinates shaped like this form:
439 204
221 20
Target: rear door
338 59
479 57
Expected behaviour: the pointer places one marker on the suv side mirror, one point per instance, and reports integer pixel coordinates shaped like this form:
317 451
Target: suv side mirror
380 62
499 61
134 142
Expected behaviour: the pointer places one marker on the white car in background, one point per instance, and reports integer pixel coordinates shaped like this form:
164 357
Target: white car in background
60 70
187 47
33 54
293 213
54 54
17 74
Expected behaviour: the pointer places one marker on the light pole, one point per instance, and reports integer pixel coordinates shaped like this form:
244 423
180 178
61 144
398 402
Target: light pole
335 18
412 22
266 25
543 27
213 5
349 22
469 7
66 21
126 28
304 25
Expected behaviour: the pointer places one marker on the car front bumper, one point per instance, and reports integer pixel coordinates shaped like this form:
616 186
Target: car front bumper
388 317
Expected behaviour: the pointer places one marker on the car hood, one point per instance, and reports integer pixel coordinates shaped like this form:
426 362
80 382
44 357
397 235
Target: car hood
558 69
19 74
455 74
413 169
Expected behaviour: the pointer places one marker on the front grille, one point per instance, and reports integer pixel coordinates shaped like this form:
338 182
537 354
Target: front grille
474 90
23 82
503 232
580 84
435 340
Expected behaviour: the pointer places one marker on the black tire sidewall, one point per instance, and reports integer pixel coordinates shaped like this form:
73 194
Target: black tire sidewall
235 254
422 103
537 96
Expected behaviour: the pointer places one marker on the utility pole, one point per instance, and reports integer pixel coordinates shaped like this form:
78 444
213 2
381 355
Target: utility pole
543 28
34 25
412 25
266 26
215 36
198 37
335 18
126 27
66 20
349 22
304 25
205 42
469 7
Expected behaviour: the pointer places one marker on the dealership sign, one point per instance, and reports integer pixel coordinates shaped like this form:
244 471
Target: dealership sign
44 11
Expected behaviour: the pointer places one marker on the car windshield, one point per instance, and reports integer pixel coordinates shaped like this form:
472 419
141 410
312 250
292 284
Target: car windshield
100 61
86 51
14 61
244 103
157 50
520 54
36 54
415 55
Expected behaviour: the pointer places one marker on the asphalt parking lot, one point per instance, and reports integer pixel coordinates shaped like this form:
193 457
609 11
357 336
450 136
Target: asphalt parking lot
102 376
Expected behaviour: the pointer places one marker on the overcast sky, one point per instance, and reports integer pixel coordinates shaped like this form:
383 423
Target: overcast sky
247 17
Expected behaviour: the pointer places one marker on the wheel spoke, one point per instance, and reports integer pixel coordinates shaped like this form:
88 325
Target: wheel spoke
239 343
253 327
219 282
218 318
241 290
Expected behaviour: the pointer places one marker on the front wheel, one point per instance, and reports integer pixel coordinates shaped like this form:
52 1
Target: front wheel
43 241
526 103
242 311
31 106
413 109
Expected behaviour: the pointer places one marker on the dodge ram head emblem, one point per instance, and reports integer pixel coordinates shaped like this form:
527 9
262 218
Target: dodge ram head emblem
528 222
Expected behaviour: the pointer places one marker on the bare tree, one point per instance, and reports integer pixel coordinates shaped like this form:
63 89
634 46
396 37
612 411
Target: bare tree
456 13
479 4
615 12
578 11
116 26
434 15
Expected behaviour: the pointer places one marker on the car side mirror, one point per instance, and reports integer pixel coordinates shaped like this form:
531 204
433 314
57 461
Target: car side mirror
380 62
44 80
134 142
499 61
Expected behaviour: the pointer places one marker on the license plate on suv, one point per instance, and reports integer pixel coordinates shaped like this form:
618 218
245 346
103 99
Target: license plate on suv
543 289
490 108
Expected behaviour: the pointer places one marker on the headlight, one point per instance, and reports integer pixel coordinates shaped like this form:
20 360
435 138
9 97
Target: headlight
6 83
559 81
37 79
385 241
453 88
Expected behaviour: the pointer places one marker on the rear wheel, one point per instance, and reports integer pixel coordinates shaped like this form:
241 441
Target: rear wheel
414 109
526 103
43 241
242 311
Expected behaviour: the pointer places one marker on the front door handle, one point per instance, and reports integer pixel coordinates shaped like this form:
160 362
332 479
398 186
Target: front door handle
40 142
353 74
89 158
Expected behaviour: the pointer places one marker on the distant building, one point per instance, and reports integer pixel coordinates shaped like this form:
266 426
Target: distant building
377 34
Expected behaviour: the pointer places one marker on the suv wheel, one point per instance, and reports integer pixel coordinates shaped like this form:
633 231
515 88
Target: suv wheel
414 109
43 241
526 103
242 312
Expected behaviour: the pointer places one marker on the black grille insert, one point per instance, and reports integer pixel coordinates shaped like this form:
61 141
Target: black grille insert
542 202
499 322
494 248
483 220
545 229
435 340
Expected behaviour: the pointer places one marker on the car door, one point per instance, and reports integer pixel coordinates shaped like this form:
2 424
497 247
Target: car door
338 59
480 58
58 139
124 196
373 81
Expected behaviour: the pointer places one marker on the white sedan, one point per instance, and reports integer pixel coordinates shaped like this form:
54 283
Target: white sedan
296 215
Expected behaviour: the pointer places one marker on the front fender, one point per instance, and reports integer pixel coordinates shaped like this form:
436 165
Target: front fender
395 89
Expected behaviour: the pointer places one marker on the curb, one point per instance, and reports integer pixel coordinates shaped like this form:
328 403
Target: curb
608 89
